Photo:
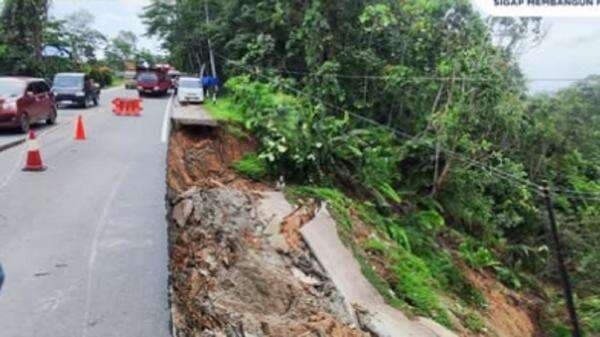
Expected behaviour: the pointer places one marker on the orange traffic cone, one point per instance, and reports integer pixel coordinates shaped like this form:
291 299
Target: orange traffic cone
79 130
34 158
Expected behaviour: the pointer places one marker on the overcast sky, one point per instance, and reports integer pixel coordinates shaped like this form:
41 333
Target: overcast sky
111 16
570 50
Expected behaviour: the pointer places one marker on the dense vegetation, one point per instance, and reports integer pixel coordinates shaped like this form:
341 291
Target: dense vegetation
413 115
34 44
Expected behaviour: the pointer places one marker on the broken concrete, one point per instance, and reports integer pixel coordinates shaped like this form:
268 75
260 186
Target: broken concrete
382 320
229 281
192 115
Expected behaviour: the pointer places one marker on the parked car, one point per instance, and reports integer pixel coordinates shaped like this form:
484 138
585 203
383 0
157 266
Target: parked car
130 82
75 89
190 90
24 101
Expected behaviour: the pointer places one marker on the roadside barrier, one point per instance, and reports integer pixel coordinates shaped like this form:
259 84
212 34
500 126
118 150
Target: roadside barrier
127 106
79 129
34 158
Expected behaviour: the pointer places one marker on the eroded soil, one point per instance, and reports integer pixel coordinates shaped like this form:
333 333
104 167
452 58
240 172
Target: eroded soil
202 158
227 278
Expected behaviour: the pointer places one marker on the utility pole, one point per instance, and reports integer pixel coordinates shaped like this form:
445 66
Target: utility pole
564 275
210 53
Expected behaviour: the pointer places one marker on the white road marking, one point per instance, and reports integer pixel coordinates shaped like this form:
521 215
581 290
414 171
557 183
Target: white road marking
166 125
12 172
100 225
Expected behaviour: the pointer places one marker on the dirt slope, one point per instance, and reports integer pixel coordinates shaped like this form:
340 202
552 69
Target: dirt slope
227 279
230 279
202 158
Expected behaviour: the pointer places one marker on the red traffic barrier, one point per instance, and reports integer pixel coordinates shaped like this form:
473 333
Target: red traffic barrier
127 106
34 158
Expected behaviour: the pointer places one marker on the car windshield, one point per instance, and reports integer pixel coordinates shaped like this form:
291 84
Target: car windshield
68 81
190 83
11 88
147 77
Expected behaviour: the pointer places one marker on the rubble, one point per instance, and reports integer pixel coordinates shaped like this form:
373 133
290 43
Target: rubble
228 280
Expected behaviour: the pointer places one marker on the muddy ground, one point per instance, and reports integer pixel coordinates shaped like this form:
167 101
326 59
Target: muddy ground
227 277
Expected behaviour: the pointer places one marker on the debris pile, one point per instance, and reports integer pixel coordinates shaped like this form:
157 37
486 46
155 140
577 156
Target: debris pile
228 280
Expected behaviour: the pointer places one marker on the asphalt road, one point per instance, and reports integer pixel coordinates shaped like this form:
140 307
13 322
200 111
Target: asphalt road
84 244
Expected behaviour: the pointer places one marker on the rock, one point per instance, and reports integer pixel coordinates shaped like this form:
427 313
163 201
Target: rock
186 195
279 243
182 212
305 278
271 209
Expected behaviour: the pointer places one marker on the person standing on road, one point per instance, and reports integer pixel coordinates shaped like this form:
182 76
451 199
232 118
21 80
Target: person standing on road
210 83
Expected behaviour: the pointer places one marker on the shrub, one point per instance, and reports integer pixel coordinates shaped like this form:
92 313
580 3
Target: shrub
305 143
251 166
101 75
477 257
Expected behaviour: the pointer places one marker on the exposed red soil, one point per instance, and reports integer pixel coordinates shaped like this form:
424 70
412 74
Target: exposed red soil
203 158
290 228
509 313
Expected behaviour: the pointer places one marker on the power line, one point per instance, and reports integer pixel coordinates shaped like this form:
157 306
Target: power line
422 78
481 165
492 170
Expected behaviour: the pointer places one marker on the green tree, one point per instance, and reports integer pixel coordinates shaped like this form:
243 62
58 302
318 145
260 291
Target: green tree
23 23
120 49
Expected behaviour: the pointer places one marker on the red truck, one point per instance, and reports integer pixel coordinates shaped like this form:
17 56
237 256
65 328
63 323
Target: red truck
153 80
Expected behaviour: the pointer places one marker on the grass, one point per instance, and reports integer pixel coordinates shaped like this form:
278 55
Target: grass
414 284
225 110
380 284
474 322
251 166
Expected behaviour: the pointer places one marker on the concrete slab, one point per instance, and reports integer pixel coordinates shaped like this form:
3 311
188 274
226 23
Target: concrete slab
322 237
271 209
192 115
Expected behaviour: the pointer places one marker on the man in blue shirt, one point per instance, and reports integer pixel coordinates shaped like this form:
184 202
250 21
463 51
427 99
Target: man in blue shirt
210 84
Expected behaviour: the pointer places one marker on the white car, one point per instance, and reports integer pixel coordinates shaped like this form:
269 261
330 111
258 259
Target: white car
190 90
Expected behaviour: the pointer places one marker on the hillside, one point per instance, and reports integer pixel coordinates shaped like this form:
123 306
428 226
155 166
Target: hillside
415 127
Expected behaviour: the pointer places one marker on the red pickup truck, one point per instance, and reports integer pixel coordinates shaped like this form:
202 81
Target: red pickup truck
153 80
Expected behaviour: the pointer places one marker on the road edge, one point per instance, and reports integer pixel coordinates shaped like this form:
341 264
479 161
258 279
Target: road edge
12 144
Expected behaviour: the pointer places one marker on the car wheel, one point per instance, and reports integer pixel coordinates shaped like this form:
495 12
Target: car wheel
52 117
24 123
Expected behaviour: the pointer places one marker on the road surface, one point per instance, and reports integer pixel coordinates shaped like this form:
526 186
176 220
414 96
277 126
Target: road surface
84 244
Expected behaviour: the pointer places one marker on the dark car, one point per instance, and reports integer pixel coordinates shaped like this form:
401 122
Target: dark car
75 89
24 101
